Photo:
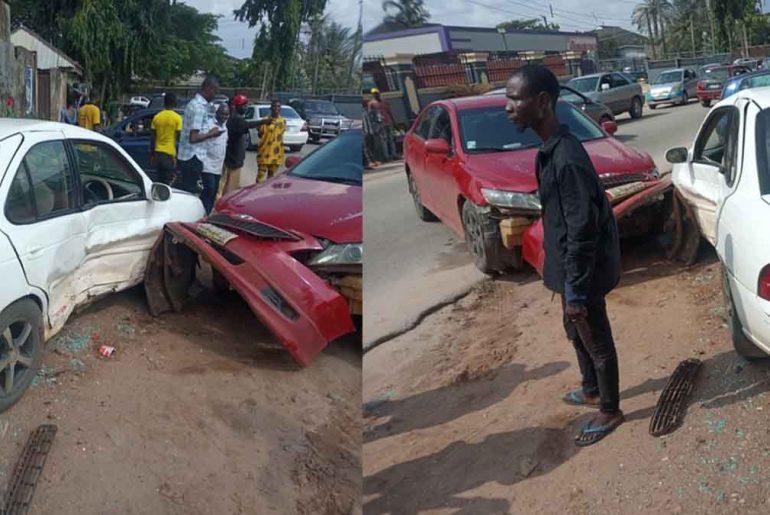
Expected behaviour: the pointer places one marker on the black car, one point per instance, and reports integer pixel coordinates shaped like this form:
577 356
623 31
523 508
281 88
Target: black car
322 117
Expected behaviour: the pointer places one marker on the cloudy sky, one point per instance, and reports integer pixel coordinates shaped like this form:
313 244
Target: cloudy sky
571 15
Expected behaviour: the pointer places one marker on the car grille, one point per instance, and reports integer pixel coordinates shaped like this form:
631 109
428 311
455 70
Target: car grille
251 227
610 180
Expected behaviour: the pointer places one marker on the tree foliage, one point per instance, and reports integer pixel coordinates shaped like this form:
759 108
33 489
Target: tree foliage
533 24
409 13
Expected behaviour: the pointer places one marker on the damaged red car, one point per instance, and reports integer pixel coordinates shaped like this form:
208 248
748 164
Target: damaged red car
292 247
470 167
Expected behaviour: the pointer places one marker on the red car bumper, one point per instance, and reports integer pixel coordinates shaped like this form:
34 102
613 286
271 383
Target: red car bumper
532 239
710 94
300 308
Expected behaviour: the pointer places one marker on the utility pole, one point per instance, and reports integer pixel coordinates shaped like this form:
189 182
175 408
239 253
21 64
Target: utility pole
692 37
711 22
545 21
745 41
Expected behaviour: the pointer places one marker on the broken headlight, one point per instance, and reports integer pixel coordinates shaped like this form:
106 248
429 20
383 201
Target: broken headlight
512 199
345 254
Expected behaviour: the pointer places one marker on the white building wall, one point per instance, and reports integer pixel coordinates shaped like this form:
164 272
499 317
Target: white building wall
46 58
415 44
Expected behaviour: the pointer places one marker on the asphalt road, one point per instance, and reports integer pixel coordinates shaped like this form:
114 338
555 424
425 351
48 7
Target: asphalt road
249 172
412 267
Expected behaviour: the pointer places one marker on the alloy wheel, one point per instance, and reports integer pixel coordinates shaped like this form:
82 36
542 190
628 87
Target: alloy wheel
16 359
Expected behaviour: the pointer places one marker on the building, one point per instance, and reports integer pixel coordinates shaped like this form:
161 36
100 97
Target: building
56 72
619 43
388 40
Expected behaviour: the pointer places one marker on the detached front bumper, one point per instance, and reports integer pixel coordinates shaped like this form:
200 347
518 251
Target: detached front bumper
301 309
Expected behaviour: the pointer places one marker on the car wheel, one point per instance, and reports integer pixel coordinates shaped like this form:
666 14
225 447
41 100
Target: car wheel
742 345
21 350
483 240
604 118
636 108
295 148
314 139
705 103
685 99
423 213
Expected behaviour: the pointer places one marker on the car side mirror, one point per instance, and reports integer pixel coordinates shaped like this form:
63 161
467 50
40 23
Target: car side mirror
610 127
160 192
437 146
292 160
676 155
605 86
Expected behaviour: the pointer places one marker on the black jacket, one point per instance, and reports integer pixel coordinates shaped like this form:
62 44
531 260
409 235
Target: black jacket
581 243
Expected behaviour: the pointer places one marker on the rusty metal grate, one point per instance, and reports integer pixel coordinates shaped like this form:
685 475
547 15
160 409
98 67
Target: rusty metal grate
251 227
27 472
672 403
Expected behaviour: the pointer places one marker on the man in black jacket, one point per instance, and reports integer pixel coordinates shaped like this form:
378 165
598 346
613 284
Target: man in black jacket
582 252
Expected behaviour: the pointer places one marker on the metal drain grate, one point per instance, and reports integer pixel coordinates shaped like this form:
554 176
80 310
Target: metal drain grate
671 405
27 472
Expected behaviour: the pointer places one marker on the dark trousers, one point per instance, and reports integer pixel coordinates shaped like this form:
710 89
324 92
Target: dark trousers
164 166
191 174
210 187
389 143
597 359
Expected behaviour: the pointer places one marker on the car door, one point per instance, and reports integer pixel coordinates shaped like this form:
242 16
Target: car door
43 221
606 95
701 178
691 83
441 196
136 141
122 221
414 152
623 92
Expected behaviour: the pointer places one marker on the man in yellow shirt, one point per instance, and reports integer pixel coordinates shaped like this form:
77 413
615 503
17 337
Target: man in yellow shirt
165 129
270 154
89 116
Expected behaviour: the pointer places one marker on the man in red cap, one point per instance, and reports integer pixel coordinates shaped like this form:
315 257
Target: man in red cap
237 129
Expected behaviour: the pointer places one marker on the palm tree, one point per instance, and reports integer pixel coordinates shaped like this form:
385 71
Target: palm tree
655 14
409 13
641 18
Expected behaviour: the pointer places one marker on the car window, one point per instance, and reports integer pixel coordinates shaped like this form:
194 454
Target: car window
249 113
606 79
337 161
441 128
668 77
105 176
43 185
140 126
763 151
758 81
423 124
584 85
717 143
289 113
618 80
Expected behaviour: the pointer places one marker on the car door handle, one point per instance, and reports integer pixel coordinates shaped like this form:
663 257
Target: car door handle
35 250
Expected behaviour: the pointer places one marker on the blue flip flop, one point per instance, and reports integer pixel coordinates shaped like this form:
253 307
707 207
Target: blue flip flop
578 398
597 432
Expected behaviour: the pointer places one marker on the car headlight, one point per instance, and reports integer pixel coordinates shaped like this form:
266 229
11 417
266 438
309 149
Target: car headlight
512 199
655 172
346 254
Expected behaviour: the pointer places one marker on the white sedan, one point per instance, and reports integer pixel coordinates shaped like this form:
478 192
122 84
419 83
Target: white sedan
79 219
724 179
296 134
140 101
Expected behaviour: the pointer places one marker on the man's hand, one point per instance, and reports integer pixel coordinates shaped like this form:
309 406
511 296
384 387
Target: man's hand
215 132
576 311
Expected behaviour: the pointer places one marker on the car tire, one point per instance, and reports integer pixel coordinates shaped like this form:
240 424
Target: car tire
604 118
21 317
315 139
295 148
636 108
742 345
423 213
705 103
483 239
685 99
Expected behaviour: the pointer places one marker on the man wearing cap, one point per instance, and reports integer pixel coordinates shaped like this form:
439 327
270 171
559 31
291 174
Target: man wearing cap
237 130
381 109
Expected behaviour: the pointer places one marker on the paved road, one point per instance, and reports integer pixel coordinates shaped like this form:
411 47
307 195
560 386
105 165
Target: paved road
411 266
249 173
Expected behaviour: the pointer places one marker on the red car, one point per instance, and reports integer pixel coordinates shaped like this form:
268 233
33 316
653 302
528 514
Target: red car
713 79
291 247
469 166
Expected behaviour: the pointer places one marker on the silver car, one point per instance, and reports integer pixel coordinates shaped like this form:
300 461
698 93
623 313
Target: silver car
677 86
612 89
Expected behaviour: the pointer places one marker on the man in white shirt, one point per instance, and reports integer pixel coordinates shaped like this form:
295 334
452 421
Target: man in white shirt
215 157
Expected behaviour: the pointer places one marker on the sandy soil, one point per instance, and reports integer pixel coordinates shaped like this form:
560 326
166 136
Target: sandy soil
463 414
199 412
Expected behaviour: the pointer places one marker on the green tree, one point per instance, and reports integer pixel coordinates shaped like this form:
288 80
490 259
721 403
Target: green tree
409 13
533 24
328 55
276 41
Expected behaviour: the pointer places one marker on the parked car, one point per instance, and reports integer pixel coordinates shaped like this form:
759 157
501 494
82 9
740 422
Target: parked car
746 81
636 76
724 181
291 247
749 63
599 113
296 128
470 167
157 102
612 89
675 86
322 116
713 80
79 219
140 101
133 134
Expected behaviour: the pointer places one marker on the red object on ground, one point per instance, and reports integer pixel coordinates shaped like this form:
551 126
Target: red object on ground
106 351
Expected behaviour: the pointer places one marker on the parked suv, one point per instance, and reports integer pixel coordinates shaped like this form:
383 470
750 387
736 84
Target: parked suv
322 116
612 89
675 86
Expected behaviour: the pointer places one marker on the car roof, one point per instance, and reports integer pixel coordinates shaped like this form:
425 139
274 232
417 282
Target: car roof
474 102
11 126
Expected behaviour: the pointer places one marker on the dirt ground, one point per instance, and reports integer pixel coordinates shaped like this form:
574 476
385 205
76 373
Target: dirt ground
463 414
197 413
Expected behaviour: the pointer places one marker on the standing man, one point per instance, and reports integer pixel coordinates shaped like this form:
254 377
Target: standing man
581 244
197 116
165 129
89 116
237 129
215 158
378 105
270 154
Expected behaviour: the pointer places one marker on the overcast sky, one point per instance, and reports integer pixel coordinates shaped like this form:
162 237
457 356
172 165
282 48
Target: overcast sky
571 15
